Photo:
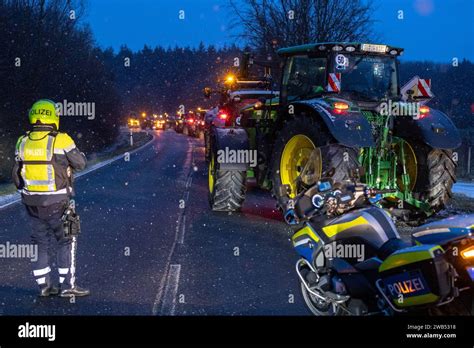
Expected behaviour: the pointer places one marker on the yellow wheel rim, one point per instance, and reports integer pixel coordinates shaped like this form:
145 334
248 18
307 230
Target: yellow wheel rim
411 165
295 156
210 175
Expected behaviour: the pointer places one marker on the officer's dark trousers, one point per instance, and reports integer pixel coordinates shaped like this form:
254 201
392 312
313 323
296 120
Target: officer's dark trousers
48 235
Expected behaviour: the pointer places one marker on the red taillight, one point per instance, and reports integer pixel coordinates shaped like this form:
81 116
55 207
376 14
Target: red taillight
223 116
424 111
191 120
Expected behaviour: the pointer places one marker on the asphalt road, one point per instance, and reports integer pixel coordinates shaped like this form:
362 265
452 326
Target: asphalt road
151 246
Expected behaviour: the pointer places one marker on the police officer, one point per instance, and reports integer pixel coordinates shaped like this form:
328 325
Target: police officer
45 159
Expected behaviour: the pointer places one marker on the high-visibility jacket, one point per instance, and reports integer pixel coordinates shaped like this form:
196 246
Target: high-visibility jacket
44 163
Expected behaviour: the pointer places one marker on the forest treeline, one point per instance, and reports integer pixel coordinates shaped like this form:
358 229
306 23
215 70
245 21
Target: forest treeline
48 53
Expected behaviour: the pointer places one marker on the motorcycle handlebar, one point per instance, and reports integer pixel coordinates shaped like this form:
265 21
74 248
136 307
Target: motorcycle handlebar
368 192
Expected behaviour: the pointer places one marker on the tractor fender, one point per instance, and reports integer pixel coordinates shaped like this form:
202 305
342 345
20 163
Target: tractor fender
351 129
436 130
231 148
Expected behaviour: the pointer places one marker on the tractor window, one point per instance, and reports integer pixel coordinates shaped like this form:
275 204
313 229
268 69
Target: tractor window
304 77
369 78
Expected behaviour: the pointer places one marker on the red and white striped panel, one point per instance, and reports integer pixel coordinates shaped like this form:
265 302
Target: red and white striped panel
334 82
424 88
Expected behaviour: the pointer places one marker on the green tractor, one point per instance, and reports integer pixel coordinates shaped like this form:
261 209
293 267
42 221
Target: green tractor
341 113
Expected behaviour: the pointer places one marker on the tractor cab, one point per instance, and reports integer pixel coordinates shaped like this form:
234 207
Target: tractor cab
366 73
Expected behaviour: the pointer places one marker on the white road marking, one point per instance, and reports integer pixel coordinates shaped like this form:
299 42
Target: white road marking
168 306
167 290
189 182
182 230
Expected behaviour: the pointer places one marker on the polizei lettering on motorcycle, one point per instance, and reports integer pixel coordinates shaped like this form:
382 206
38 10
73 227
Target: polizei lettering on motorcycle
406 286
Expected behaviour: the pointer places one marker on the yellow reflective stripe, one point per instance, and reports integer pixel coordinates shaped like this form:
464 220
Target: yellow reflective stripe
38 182
332 230
38 176
306 230
404 258
45 193
49 148
17 146
62 151
416 300
48 184
70 147
64 142
22 148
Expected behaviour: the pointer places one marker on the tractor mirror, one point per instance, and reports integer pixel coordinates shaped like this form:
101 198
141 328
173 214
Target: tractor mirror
207 92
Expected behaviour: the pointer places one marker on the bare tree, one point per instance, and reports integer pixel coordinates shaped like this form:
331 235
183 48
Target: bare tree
268 24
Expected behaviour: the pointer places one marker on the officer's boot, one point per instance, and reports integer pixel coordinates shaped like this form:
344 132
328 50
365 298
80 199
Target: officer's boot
75 291
48 291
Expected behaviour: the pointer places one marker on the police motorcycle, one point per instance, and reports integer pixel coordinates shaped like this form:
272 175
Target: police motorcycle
353 261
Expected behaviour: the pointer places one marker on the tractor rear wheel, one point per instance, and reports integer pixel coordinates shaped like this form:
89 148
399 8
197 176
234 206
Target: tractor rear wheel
436 176
300 141
226 188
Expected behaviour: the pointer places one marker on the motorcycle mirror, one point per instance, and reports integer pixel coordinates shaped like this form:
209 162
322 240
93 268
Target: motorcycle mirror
290 217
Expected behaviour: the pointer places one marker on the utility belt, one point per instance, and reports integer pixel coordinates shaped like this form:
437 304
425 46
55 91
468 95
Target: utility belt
71 221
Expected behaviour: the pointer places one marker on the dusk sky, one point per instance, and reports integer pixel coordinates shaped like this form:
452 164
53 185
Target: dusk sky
431 29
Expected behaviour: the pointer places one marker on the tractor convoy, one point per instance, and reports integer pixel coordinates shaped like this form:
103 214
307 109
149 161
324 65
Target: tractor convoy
346 152
340 113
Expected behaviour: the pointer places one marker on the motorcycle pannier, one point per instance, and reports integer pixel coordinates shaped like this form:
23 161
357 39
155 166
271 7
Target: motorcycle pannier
416 276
